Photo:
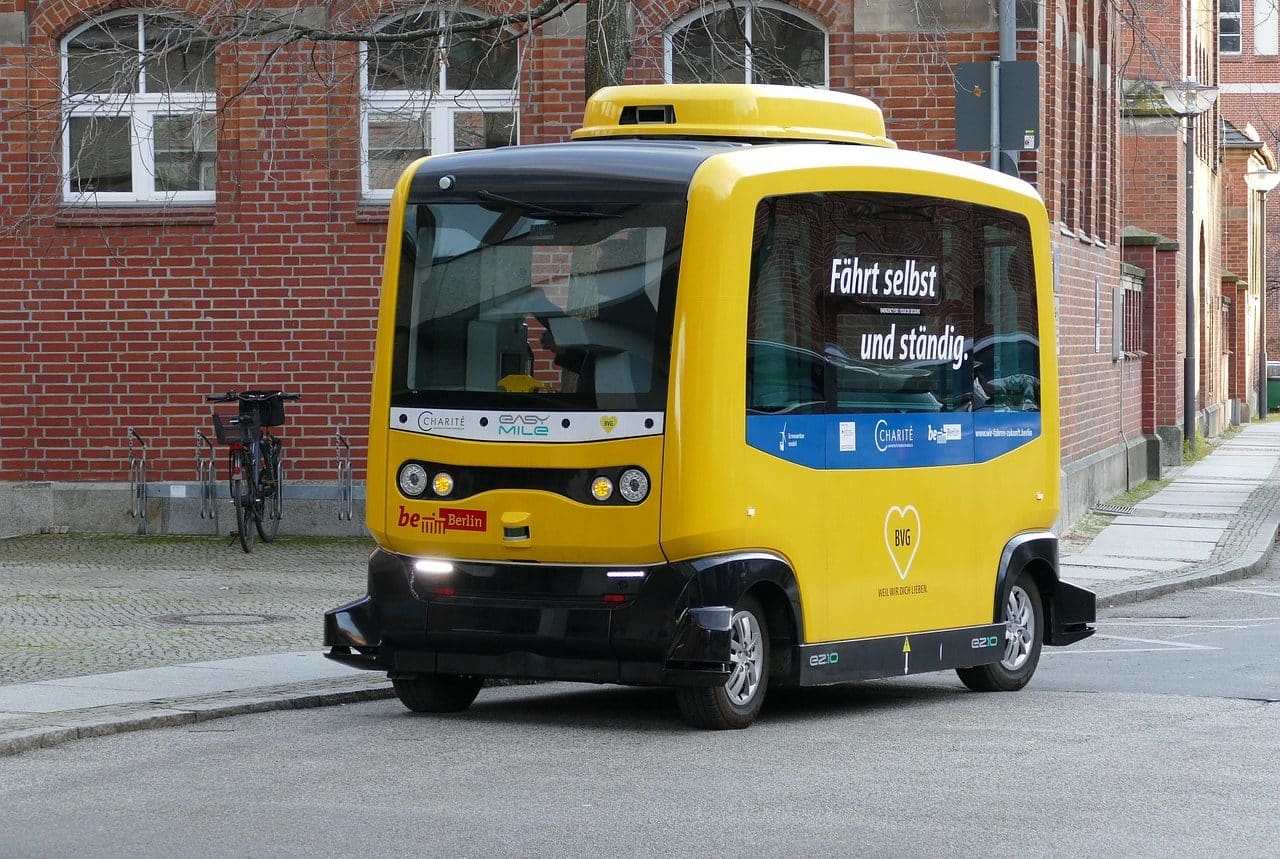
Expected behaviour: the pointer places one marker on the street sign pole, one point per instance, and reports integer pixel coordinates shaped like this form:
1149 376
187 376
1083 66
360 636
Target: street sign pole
995 114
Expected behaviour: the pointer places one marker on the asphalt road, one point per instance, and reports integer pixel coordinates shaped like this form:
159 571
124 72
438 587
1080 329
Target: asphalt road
1153 739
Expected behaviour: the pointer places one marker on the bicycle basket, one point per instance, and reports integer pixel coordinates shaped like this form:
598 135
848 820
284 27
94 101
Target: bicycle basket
234 429
269 412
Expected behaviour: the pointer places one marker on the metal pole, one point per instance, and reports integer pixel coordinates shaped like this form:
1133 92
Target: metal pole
1008 52
1260 226
1189 362
995 115
1008 30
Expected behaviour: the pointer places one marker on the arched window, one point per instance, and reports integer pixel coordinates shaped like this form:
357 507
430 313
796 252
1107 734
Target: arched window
446 93
762 43
138 111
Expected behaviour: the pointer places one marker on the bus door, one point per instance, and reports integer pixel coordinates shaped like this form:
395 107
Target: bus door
868 307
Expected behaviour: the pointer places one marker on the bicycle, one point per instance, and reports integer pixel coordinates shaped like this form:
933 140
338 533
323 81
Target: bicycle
254 460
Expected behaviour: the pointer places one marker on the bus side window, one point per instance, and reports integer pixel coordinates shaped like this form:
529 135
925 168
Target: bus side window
1008 356
786 370
782 378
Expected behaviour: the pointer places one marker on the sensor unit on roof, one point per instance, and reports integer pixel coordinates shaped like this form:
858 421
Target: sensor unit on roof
745 112
648 114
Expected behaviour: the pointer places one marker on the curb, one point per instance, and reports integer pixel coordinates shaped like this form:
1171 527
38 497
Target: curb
177 712
1248 563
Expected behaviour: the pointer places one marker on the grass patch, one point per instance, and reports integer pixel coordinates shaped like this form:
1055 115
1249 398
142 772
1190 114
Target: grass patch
1194 449
1200 447
1141 492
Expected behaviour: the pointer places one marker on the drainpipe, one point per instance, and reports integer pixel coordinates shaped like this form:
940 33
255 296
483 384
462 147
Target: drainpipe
1008 52
1008 30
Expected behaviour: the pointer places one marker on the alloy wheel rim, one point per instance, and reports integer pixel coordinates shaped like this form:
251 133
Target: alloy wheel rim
746 658
1019 629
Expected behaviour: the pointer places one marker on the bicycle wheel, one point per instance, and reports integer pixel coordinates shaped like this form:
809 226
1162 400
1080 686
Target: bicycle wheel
242 498
271 489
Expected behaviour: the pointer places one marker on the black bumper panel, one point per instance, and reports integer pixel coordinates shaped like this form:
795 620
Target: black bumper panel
897 655
652 626
1071 612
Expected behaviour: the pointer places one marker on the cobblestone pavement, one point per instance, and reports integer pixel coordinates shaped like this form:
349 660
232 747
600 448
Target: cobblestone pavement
78 604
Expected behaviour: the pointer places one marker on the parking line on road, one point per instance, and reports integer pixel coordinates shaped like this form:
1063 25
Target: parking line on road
1190 623
1165 646
1245 591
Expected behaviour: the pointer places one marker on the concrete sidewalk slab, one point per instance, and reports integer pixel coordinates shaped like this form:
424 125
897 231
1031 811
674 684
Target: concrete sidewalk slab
1142 565
1091 575
174 681
1141 533
1178 508
1177 523
1138 545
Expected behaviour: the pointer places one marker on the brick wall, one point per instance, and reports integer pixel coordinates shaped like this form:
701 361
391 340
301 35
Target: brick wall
125 318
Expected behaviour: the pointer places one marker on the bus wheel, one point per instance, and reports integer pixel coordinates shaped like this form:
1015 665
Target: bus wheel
437 693
1023 637
737 703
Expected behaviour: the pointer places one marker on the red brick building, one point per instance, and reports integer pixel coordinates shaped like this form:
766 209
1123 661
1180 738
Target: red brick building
1169 43
1250 84
212 217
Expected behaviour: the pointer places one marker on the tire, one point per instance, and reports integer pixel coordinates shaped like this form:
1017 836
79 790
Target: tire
1024 637
737 703
437 693
270 486
242 498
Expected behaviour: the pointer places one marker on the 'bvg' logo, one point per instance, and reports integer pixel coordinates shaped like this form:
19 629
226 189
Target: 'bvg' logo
902 537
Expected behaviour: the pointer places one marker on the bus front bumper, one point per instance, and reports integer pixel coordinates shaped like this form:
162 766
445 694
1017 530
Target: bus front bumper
639 626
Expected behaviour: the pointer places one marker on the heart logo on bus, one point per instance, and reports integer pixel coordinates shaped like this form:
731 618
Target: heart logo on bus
608 423
902 536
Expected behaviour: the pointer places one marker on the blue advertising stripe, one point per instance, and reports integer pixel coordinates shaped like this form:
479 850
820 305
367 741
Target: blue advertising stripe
891 440
997 433
801 439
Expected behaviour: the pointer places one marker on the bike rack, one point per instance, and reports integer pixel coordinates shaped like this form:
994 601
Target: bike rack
138 480
345 493
205 476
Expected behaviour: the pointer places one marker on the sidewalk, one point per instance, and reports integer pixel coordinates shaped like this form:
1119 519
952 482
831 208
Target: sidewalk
104 634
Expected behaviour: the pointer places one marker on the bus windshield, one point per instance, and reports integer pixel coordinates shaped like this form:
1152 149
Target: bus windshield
507 303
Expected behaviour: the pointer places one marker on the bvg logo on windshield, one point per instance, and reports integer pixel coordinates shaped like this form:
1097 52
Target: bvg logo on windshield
524 426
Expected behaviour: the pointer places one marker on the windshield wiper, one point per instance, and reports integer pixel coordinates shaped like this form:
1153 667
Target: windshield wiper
538 209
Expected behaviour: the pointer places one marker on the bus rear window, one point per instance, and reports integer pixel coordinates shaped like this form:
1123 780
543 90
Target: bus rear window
865 302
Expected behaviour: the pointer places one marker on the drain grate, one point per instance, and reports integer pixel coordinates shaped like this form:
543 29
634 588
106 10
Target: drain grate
1114 509
219 619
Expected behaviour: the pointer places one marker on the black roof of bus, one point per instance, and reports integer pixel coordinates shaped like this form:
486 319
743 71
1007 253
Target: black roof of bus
578 170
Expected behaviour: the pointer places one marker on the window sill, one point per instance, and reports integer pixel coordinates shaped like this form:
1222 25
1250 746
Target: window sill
141 215
373 211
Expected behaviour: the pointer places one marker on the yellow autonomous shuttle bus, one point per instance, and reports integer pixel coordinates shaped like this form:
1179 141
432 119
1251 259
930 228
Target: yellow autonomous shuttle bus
723 394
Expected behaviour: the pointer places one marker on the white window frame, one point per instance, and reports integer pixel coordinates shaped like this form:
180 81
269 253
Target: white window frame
443 105
1239 34
1266 32
142 109
716 8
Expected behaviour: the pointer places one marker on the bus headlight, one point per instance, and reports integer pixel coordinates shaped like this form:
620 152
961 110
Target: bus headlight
413 479
601 488
442 484
634 485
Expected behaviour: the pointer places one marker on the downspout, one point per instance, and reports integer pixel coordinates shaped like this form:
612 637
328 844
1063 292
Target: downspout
1008 52
1008 30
